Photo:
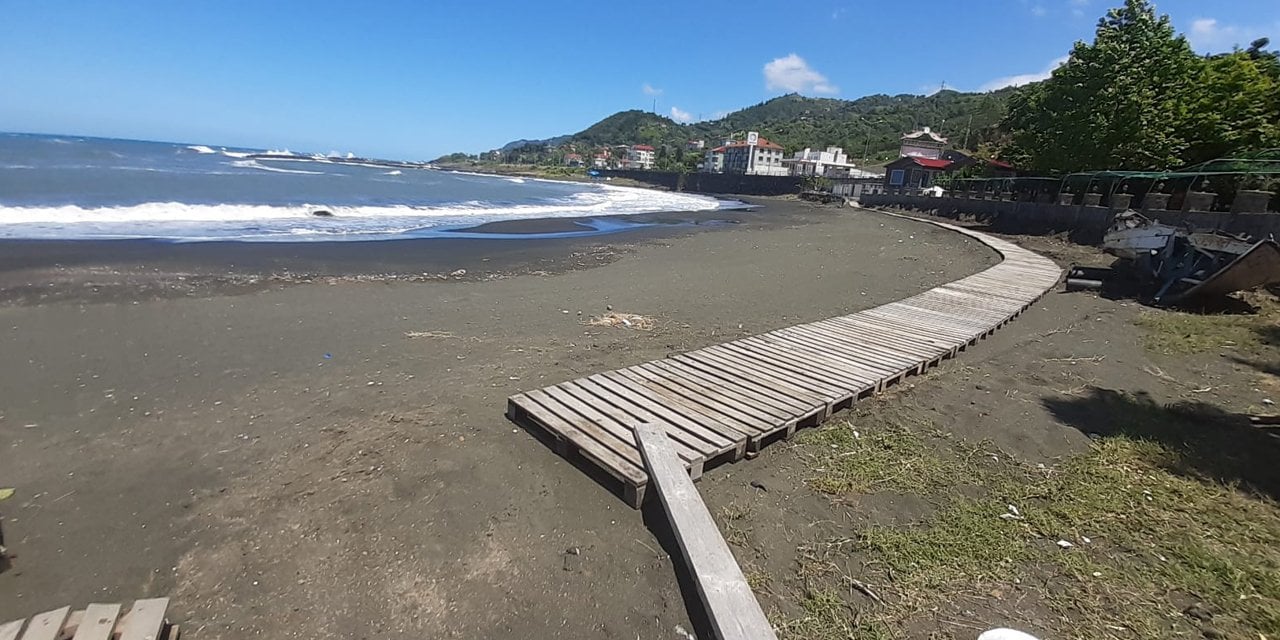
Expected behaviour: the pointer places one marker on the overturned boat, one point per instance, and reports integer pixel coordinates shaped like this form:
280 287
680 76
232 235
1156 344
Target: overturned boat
1182 264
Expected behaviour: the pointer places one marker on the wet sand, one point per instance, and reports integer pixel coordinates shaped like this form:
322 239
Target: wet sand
251 430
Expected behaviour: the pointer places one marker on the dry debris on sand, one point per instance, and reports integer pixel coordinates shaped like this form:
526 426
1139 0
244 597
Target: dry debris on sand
625 320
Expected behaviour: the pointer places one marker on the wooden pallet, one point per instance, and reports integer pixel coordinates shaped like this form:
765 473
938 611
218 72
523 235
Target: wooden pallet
145 620
718 403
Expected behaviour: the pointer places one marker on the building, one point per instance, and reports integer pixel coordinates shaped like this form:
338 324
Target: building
832 163
572 160
922 144
912 172
696 145
987 168
763 158
713 160
640 156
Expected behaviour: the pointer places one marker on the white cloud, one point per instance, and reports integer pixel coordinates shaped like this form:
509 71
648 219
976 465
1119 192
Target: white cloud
681 116
793 74
1077 7
1207 35
1039 11
650 90
1023 78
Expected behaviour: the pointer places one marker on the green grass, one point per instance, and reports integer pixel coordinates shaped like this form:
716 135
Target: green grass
1180 333
1159 534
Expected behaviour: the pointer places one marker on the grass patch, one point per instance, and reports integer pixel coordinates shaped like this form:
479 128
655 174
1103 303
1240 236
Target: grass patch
1180 333
1150 535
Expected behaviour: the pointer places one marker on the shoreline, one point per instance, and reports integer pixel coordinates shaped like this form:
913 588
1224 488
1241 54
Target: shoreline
35 271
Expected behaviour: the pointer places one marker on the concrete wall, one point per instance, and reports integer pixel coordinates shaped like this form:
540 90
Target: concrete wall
721 183
1083 223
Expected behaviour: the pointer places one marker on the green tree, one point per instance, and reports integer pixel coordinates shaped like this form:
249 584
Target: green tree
1119 102
1236 108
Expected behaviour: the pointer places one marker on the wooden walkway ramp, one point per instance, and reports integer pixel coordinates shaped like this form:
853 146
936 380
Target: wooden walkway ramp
145 620
718 403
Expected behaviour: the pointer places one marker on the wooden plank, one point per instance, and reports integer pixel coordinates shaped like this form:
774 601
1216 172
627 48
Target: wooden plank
811 366
693 380
609 417
697 437
764 369
839 339
730 372
690 407
98 622
849 374
745 392
10 630
613 453
731 607
627 414
145 620
722 434
887 343
47 626
843 361
903 331
841 350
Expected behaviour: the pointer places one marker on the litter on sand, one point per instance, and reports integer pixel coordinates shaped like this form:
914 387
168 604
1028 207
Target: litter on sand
625 320
428 334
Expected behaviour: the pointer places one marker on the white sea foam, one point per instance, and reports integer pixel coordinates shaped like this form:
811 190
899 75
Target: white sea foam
236 154
178 221
253 164
516 180
199 148
393 173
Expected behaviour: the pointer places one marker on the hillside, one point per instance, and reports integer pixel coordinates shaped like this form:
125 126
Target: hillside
873 123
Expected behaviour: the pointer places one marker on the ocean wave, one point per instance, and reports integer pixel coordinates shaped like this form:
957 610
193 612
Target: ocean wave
393 173
199 148
515 180
253 164
236 154
195 222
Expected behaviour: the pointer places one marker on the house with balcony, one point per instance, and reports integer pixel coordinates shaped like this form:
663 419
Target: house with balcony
640 156
713 160
764 158
831 163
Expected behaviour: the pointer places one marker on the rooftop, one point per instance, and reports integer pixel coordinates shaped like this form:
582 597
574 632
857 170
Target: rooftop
761 143
923 134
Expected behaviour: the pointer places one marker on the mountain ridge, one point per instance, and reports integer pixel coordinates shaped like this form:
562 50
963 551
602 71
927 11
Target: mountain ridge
870 125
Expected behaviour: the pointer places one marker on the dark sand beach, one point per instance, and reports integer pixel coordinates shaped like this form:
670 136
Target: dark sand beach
308 440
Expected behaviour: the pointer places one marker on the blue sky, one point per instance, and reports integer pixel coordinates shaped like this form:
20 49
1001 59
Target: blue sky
415 80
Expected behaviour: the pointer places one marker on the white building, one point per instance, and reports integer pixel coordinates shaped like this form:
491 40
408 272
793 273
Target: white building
640 156
763 158
832 163
922 144
713 160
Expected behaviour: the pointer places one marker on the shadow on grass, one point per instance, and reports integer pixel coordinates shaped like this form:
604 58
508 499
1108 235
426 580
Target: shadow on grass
1203 440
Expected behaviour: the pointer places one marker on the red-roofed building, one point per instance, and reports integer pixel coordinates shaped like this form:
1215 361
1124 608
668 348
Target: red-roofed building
640 156
911 172
755 156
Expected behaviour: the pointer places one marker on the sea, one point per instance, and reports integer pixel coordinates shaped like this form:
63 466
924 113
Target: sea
67 187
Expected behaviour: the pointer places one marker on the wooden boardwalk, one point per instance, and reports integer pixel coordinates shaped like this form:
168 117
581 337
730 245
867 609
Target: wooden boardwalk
145 620
720 402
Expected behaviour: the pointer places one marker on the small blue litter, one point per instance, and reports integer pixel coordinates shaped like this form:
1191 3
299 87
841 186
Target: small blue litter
328 356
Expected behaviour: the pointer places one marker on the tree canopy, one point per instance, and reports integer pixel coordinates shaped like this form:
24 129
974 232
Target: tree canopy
1138 98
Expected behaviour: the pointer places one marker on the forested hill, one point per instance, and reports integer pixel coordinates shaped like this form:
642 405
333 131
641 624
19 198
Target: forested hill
795 122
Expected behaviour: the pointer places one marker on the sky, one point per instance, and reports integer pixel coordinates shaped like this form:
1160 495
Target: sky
415 80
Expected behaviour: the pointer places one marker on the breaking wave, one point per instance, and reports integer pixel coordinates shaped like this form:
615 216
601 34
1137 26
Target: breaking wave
266 223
